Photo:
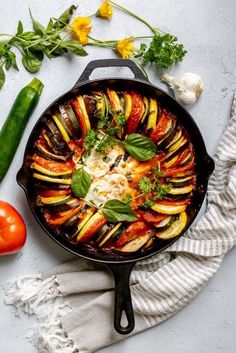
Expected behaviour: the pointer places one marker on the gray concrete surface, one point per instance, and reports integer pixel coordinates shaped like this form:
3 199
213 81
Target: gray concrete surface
207 28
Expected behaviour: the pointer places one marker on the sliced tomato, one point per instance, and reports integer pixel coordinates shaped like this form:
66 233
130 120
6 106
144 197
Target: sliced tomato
76 146
134 230
174 171
152 216
96 222
161 126
81 117
56 221
136 112
51 193
53 166
174 202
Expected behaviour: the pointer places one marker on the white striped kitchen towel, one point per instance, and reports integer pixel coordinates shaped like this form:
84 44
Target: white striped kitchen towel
74 301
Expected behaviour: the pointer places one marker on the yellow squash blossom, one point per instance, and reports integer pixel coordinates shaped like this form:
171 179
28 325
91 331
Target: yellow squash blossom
81 26
125 47
105 10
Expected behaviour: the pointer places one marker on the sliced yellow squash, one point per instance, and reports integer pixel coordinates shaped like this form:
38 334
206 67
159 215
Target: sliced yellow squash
176 137
168 209
89 214
153 111
61 128
109 234
128 105
178 144
175 228
55 200
48 172
95 222
171 162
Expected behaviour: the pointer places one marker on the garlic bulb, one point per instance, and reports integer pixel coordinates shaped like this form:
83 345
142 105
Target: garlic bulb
187 87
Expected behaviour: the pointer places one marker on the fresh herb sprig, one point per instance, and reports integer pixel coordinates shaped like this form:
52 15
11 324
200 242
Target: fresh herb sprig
153 185
42 41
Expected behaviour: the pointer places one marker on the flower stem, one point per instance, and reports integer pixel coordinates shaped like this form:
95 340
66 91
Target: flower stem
153 29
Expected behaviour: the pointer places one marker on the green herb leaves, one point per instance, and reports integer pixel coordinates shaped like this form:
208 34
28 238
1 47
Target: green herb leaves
163 52
140 147
145 185
80 183
118 211
40 42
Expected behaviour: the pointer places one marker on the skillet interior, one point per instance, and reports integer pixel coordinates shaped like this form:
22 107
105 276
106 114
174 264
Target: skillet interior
204 163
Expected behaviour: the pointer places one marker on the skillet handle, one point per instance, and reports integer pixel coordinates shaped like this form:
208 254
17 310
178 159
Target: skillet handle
123 301
95 64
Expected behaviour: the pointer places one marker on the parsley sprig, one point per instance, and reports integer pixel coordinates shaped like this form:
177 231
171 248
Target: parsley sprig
153 186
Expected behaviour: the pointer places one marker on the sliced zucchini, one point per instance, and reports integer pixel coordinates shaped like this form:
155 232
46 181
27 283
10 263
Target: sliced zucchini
181 190
101 104
168 209
43 170
165 223
136 244
63 123
152 114
127 105
55 200
175 228
61 128
181 181
109 234
72 116
187 160
52 180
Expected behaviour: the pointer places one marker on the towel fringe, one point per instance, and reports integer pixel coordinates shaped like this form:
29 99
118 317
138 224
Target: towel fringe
30 293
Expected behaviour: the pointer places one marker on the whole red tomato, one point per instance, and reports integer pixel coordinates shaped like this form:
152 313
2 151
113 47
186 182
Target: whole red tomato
12 229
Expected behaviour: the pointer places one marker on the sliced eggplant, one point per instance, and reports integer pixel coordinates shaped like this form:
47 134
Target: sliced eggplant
136 244
175 228
58 143
146 109
176 137
168 208
168 136
56 157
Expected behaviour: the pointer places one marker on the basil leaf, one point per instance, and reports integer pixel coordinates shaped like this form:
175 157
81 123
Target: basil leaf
2 76
140 147
80 183
64 19
20 29
74 47
118 211
32 61
38 28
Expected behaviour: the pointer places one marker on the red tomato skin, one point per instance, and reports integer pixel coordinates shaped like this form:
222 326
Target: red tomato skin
12 229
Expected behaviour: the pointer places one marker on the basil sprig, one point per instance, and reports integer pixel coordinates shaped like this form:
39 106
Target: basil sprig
140 147
80 183
118 211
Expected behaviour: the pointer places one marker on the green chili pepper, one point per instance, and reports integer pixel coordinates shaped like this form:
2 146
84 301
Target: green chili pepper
13 128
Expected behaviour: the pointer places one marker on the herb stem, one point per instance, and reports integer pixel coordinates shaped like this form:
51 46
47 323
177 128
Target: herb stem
154 30
58 44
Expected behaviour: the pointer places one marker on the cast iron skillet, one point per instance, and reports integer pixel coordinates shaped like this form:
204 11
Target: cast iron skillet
121 266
